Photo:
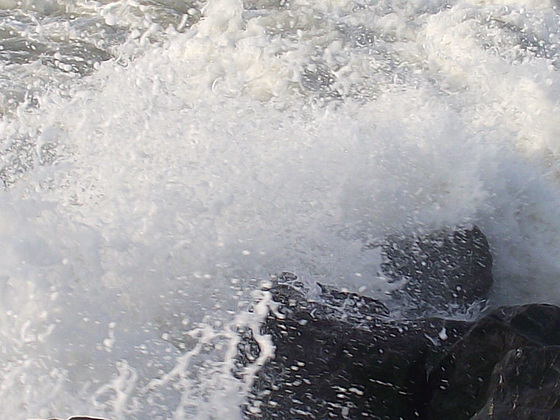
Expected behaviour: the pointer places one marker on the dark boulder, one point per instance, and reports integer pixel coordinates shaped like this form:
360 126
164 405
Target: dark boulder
345 356
525 385
460 384
82 418
445 271
338 355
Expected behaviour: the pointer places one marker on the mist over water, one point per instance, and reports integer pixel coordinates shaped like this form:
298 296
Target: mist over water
160 159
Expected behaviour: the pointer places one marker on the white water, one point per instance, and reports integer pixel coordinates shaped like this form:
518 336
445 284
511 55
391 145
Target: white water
146 196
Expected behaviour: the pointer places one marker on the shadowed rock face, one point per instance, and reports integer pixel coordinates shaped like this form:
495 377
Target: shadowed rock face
341 355
441 270
462 381
82 418
525 385
503 366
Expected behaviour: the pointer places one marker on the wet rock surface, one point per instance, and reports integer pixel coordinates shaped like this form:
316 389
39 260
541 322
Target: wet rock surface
342 355
441 271
462 382
356 366
525 385
82 418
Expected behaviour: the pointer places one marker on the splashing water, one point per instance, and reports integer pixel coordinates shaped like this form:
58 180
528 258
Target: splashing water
162 158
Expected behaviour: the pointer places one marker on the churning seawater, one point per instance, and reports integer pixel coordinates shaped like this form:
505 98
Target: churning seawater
159 159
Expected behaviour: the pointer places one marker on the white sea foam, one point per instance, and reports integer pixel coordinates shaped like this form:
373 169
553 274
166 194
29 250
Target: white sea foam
147 195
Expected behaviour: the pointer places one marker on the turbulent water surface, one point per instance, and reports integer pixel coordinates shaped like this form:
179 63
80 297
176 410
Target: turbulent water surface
159 159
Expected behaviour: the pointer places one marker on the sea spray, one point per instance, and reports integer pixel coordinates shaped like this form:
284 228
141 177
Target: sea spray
160 159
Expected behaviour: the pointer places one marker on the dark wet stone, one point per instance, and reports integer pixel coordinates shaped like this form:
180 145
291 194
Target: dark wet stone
462 380
441 271
85 418
82 418
339 356
345 356
525 385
